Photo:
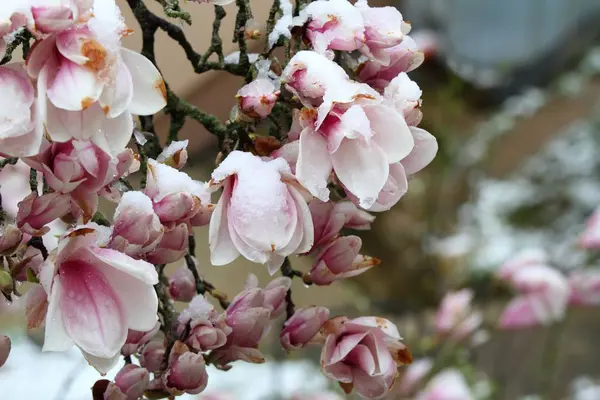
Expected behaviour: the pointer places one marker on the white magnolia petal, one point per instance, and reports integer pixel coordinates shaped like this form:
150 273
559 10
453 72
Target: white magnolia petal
391 132
139 269
56 337
314 164
102 365
362 168
222 249
424 152
149 91
117 96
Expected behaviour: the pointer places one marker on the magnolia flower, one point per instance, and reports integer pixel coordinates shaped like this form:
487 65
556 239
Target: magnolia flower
302 327
384 28
405 95
136 339
175 154
334 25
182 286
55 16
363 354
186 372
175 196
543 291
449 384
340 259
356 134
329 218
261 214
35 212
21 113
136 229
311 77
172 247
132 381
585 287
92 84
82 170
455 317
14 187
257 98
403 57
392 191
152 355
94 296
207 329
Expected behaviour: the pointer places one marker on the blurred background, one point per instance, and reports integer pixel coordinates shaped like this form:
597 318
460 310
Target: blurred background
512 93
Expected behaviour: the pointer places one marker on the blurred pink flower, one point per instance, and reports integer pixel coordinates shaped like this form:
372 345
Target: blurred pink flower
449 384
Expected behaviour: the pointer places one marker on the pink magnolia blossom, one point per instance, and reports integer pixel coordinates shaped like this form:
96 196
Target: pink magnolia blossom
186 372
393 190
449 384
172 247
405 95
257 98
82 170
363 354
94 296
413 375
330 217
340 259
354 133
56 15
590 238
384 28
136 228
260 215
543 291
175 154
182 286
334 25
207 329
152 355
10 238
312 77
92 84
35 212
5 346
274 295
585 287
455 318
132 381
21 113
175 196
136 339
302 327
403 57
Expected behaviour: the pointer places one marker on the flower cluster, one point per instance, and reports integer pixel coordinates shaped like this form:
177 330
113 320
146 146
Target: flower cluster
347 144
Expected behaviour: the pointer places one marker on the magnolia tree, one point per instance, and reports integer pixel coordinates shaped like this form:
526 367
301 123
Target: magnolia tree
323 132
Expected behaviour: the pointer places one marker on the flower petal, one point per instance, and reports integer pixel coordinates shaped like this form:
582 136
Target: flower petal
139 269
92 313
138 298
314 164
75 87
117 96
222 249
391 132
149 91
102 365
56 337
423 153
362 168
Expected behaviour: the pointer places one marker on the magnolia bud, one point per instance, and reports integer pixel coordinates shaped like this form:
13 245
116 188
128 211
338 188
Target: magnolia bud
152 355
132 380
175 155
340 260
256 99
5 346
275 293
172 247
37 211
302 327
182 285
186 372
10 238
